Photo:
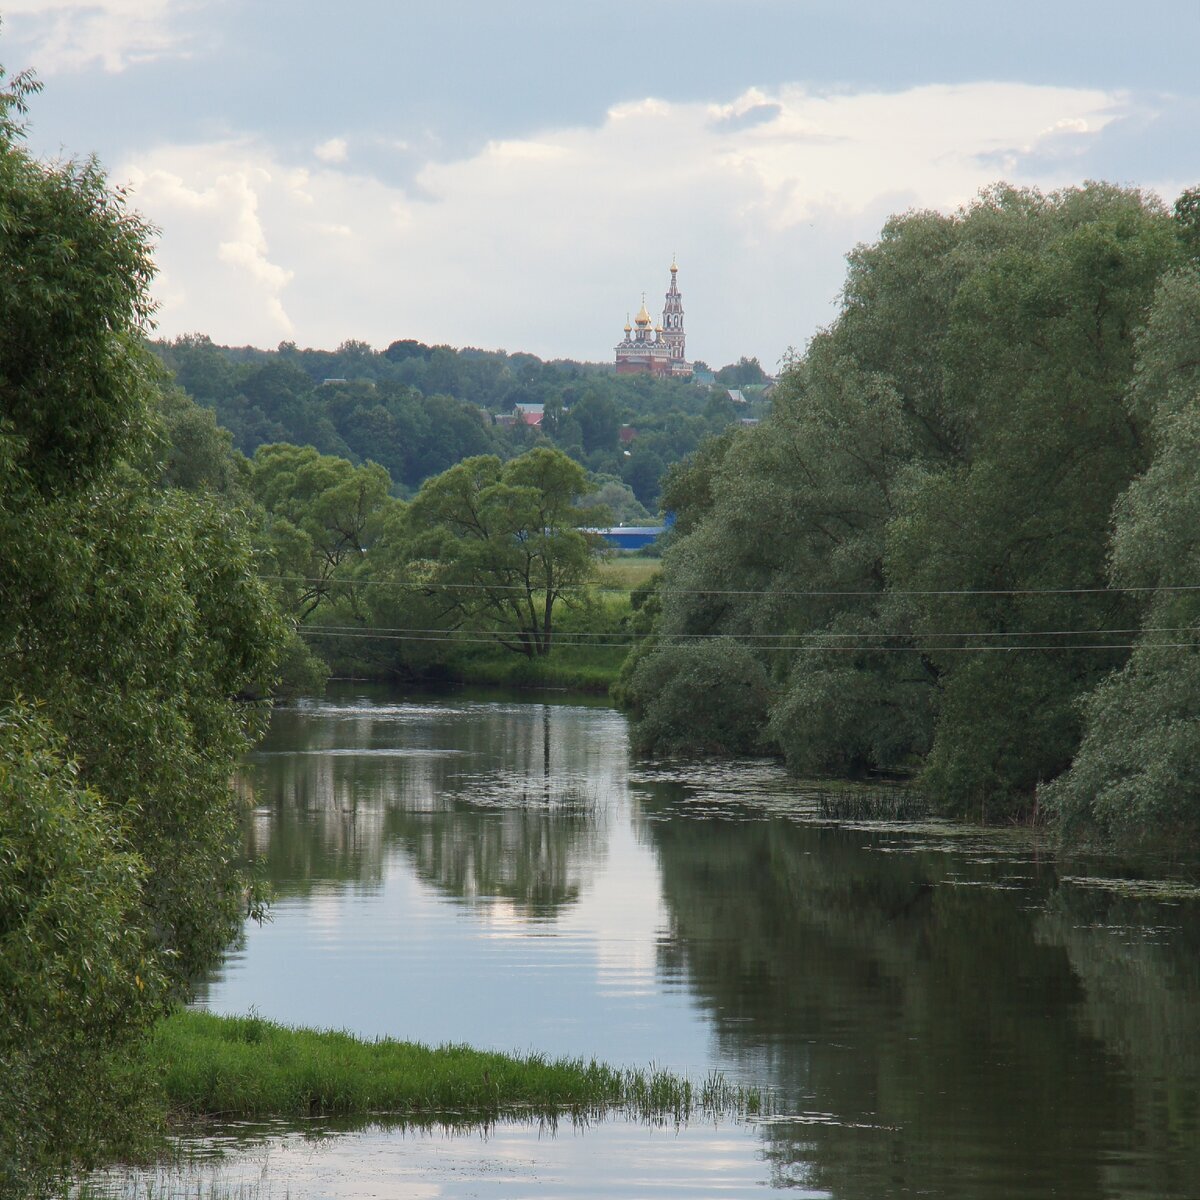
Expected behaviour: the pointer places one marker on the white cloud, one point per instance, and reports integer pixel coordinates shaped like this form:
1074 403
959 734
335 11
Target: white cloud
213 253
543 243
67 35
332 151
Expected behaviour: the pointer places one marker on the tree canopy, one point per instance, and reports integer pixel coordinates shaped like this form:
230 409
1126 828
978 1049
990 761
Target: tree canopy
916 542
501 545
134 633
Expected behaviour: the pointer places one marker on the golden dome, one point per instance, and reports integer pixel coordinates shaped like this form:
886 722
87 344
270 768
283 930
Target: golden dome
643 317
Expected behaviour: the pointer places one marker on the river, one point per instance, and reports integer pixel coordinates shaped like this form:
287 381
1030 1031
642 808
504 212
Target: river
939 1011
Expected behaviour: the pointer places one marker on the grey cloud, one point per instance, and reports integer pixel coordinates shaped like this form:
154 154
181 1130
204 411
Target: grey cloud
1157 138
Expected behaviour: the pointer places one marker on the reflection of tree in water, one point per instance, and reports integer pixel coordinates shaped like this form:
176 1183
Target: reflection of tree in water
528 836
947 1042
333 800
537 855
1139 964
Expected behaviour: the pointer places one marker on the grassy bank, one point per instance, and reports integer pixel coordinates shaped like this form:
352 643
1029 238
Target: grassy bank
590 644
249 1067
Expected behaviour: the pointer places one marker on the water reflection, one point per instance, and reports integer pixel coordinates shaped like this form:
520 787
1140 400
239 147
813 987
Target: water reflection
339 786
949 1025
939 1011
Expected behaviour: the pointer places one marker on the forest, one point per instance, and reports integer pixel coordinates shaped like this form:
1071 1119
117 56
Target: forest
417 410
963 547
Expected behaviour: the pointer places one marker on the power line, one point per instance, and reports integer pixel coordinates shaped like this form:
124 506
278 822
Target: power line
753 637
777 592
565 640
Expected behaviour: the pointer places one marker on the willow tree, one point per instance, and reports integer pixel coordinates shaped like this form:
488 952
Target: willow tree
133 634
501 546
938 474
1137 772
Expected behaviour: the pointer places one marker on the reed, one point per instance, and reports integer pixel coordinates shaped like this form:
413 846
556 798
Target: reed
250 1067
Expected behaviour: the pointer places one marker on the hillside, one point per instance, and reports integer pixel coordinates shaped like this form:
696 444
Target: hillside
418 409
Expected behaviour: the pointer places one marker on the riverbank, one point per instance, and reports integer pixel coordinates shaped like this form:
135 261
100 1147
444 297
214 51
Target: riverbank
198 1068
591 642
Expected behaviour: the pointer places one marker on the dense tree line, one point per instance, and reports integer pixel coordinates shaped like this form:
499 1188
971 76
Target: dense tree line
417 410
487 554
948 548
135 637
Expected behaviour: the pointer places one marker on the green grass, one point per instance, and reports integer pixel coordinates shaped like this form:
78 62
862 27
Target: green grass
163 1185
626 571
591 645
249 1067
568 667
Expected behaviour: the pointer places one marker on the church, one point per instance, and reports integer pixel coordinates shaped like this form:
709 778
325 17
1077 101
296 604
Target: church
658 351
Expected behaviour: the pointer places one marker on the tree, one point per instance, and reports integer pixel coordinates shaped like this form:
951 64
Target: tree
707 697
1037 357
1187 219
616 500
319 510
743 373
78 981
1136 773
939 469
598 420
134 635
503 544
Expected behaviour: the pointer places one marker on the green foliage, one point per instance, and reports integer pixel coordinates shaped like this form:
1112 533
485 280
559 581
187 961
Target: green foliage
196 454
743 373
417 410
936 472
78 982
73 299
247 1066
133 619
136 619
707 697
499 546
1136 772
616 501
320 517
848 712
1187 218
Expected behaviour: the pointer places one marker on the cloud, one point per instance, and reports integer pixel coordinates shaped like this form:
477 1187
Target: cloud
216 251
69 35
332 151
543 243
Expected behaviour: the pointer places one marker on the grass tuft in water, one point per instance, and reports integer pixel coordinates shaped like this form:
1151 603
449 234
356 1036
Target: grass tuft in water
877 804
164 1187
250 1067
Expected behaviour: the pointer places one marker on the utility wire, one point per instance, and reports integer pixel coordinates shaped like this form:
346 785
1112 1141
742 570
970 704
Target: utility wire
564 640
677 591
753 637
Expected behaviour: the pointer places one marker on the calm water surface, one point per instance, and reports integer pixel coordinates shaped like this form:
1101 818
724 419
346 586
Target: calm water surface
940 1012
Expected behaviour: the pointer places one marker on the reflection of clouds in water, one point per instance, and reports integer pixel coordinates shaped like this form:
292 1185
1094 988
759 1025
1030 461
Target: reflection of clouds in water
501 920
624 915
360 752
510 1161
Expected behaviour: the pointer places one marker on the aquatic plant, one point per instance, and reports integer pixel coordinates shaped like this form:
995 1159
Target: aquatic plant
248 1067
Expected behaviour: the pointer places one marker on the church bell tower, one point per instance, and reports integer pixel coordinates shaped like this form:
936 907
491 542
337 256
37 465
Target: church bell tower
672 326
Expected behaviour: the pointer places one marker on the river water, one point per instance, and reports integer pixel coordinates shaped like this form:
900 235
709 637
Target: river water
938 1011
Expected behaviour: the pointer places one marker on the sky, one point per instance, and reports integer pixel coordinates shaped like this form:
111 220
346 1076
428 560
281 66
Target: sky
514 174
